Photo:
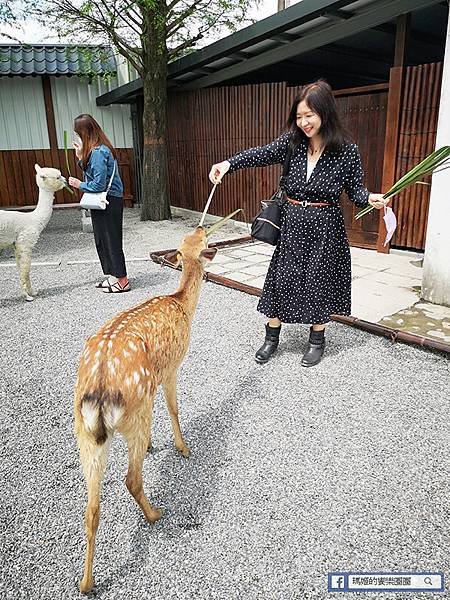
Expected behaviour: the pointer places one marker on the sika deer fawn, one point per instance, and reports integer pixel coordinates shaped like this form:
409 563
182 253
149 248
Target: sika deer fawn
120 370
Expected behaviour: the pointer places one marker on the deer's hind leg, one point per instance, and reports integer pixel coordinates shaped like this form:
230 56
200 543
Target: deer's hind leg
93 458
170 393
137 440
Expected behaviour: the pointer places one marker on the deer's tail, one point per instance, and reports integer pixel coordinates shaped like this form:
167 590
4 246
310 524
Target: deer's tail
101 410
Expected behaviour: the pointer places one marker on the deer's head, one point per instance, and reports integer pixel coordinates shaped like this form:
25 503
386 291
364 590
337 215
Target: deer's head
49 179
193 246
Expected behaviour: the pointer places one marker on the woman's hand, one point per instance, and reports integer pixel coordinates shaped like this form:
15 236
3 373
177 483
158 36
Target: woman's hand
74 182
77 149
377 201
218 171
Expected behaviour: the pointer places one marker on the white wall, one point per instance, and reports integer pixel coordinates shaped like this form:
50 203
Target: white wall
436 266
23 125
73 96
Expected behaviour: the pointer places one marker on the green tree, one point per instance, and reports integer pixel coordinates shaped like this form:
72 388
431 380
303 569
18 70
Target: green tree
149 34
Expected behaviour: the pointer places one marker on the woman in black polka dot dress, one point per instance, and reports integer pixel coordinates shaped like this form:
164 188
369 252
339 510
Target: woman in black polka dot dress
309 277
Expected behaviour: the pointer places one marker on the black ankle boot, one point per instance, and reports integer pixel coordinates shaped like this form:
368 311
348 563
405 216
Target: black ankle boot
270 344
316 346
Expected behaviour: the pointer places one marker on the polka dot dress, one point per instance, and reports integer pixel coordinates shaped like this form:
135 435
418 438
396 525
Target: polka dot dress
309 277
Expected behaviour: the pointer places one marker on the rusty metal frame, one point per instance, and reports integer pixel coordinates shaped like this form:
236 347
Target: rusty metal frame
389 332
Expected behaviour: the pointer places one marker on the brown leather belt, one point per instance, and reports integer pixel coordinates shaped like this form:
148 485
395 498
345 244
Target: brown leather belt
306 203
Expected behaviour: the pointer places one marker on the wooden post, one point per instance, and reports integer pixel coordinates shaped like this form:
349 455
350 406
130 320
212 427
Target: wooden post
49 112
394 108
401 40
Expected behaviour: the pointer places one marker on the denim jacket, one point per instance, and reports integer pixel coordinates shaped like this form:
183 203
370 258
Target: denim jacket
98 173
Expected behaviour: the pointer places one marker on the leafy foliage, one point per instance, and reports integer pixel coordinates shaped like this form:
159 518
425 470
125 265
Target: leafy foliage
138 28
436 161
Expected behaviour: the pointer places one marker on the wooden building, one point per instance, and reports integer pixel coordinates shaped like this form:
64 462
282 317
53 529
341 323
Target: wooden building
383 58
42 89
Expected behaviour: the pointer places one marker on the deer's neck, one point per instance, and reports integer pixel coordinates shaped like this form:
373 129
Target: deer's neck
43 211
191 282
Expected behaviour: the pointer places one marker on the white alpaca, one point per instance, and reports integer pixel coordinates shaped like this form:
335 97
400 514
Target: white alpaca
22 230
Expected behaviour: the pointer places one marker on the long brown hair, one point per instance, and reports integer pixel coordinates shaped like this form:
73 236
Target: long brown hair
319 97
92 135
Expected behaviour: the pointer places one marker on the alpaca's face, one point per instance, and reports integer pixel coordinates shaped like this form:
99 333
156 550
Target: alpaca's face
49 179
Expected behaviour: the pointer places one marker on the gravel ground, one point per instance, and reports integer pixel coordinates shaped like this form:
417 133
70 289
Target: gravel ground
294 472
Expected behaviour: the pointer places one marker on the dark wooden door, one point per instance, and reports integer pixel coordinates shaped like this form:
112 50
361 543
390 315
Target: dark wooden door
364 116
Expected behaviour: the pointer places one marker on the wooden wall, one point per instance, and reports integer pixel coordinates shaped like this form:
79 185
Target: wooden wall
17 175
364 116
418 126
210 125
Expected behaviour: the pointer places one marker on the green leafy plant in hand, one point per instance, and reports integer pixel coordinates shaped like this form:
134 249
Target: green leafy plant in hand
438 158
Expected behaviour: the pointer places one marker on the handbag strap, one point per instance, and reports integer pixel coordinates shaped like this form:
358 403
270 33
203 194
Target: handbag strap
287 162
112 177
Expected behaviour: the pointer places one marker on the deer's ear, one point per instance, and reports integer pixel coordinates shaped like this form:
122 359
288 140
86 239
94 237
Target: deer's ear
209 253
173 258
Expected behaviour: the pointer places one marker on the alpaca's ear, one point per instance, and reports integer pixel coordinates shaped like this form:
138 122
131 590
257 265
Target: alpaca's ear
38 169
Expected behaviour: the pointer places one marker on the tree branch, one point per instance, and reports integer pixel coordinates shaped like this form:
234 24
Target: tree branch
172 4
174 51
180 18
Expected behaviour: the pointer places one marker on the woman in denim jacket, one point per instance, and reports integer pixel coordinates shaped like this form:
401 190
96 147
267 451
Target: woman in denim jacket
97 158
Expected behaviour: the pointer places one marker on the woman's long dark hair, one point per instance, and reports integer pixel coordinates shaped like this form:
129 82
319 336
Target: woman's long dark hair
319 97
92 135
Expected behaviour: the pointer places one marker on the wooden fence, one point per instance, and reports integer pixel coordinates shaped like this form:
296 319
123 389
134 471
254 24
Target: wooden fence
418 125
17 175
210 125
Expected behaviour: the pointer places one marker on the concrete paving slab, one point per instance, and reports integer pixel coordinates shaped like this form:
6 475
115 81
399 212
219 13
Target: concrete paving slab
367 313
392 279
216 269
236 264
406 269
358 271
257 258
258 282
263 249
223 258
255 270
239 276
381 298
236 253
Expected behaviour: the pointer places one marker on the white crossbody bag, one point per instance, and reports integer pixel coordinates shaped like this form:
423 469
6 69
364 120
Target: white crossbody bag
97 200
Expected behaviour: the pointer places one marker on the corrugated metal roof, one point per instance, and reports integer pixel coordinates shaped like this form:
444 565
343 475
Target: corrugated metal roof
56 59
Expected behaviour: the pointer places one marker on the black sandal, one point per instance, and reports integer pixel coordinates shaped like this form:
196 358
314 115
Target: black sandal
103 285
116 288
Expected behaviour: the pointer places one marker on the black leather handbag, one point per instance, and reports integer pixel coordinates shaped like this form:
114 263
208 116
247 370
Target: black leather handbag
266 225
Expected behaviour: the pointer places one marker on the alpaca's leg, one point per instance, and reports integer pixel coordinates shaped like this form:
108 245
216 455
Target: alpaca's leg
93 458
137 441
23 260
170 393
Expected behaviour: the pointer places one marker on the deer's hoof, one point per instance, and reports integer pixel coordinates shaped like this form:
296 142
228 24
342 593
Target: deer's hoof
155 515
86 585
184 451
